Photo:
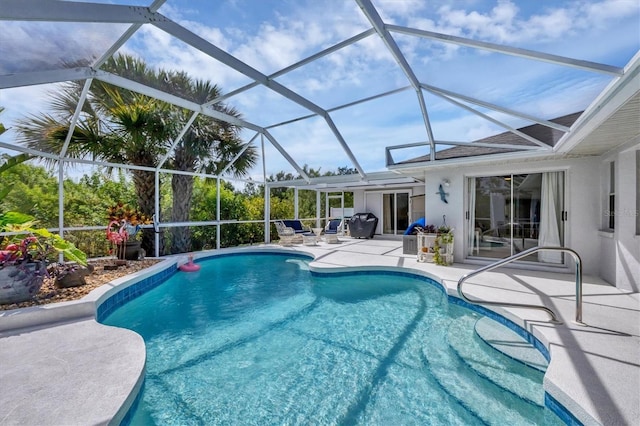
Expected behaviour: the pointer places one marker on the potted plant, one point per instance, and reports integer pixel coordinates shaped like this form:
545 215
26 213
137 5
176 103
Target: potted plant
24 253
443 246
124 224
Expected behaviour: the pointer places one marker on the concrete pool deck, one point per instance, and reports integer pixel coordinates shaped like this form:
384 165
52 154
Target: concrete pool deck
77 371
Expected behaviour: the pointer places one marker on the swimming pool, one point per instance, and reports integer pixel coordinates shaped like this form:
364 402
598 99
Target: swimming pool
258 339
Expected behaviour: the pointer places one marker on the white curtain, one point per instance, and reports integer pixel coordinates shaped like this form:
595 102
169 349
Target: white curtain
497 204
550 211
472 216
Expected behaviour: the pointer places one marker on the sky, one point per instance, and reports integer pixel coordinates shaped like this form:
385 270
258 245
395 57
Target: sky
269 35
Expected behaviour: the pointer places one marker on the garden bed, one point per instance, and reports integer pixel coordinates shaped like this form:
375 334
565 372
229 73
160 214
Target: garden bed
49 293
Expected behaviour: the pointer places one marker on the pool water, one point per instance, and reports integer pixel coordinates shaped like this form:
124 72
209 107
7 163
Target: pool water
259 340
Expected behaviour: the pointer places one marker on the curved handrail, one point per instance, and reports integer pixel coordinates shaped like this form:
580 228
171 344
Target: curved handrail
552 314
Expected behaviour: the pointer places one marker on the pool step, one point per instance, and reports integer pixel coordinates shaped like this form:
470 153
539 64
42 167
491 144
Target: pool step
508 374
508 342
479 395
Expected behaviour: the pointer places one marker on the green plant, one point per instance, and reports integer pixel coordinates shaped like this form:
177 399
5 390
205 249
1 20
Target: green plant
8 162
445 237
25 243
437 259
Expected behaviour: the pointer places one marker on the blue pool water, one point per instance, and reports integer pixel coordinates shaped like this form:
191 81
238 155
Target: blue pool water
259 340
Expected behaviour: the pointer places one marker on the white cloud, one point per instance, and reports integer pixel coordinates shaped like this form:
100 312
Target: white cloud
506 23
395 8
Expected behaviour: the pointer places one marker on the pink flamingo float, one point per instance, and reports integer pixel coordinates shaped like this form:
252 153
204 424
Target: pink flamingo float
189 266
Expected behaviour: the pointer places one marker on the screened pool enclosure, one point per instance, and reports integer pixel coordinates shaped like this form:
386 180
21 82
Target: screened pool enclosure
378 93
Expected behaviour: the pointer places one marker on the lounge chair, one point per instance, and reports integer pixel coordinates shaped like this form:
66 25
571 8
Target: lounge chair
286 234
332 230
297 226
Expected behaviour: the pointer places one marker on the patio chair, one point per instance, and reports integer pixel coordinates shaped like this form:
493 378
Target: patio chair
296 225
300 231
286 234
332 230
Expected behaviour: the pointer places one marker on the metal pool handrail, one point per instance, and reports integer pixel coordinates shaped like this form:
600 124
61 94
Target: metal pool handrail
552 314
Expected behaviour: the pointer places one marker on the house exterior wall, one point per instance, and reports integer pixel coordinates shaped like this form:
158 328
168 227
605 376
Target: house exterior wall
358 201
582 203
373 204
620 248
613 256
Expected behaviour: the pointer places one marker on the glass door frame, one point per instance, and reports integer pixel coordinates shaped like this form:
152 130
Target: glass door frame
395 193
471 244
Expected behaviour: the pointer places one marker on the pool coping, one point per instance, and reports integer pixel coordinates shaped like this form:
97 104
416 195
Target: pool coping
98 304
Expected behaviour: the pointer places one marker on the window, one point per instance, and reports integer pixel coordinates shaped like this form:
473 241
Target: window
612 195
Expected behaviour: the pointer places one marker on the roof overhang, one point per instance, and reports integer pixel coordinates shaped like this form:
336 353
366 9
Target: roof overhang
612 121
375 180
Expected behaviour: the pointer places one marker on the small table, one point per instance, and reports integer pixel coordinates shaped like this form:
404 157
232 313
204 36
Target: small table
331 238
317 231
309 239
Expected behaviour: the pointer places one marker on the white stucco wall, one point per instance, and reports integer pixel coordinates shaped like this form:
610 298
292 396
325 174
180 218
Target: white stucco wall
614 257
581 202
620 251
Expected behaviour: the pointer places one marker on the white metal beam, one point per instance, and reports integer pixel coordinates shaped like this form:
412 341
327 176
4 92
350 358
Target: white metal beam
76 114
369 98
495 107
298 64
347 150
231 61
45 77
493 120
339 107
172 99
376 21
178 139
215 52
233 160
285 154
125 37
66 11
508 50
427 123
472 144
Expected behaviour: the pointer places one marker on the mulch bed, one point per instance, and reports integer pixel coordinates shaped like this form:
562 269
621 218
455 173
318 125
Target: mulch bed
49 293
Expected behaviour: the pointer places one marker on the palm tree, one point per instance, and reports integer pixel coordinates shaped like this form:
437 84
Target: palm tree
120 126
209 145
116 125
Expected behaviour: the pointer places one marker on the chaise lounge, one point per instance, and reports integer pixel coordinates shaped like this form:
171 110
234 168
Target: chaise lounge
286 234
296 225
293 232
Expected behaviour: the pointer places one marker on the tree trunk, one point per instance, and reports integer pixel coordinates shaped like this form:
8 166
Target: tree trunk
182 188
144 183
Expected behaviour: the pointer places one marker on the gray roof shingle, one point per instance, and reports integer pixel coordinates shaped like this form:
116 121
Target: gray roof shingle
544 134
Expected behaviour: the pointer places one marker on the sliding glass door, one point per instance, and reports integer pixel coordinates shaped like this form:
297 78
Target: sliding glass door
511 213
395 212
